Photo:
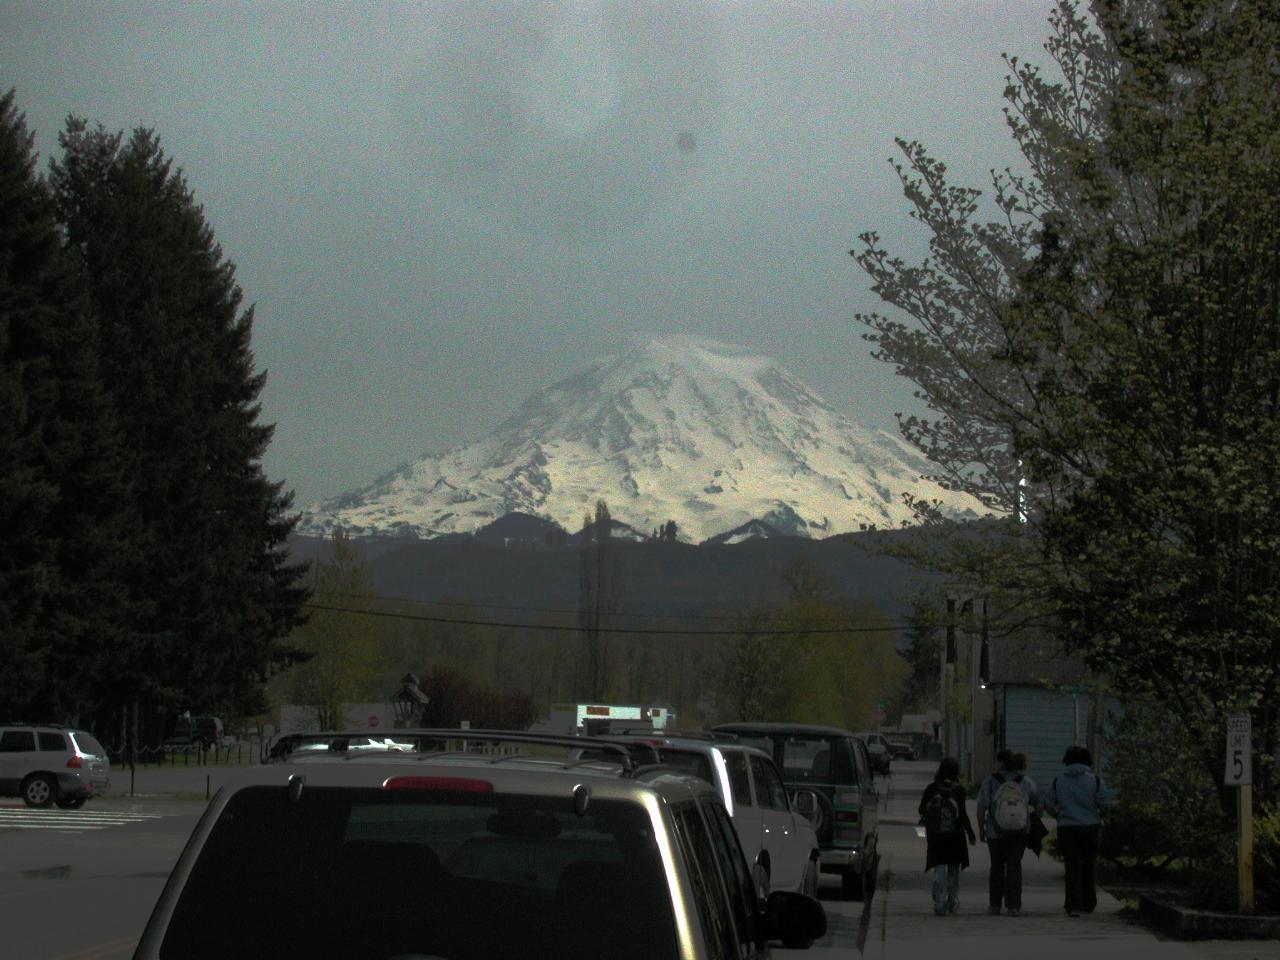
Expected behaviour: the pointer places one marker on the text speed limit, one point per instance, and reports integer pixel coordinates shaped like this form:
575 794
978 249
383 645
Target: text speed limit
1239 747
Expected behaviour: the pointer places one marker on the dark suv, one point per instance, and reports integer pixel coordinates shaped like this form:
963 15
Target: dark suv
833 764
468 855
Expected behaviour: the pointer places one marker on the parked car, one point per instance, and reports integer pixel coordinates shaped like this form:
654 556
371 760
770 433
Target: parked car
50 764
465 856
878 749
200 733
902 749
779 841
834 765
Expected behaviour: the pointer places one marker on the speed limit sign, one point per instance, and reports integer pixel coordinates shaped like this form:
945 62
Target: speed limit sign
1239 748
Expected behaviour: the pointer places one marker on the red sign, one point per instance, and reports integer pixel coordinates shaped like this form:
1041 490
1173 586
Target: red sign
373 720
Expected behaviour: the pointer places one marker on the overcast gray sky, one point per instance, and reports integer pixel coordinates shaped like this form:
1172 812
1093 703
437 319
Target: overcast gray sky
440 207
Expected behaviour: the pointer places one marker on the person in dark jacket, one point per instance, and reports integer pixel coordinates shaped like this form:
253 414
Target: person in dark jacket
946 854
1078 798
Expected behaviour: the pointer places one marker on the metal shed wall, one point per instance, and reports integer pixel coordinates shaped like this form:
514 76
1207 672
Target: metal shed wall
1042 723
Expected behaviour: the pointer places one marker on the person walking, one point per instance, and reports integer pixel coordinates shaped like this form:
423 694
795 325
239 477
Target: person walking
1077 798
946 827
1006 801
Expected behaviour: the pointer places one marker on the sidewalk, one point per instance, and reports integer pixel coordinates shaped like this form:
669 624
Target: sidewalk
904 927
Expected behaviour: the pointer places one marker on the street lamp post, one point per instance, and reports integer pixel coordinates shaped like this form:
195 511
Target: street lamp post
409 702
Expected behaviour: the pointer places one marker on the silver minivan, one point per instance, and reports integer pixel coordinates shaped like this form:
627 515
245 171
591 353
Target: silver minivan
47 764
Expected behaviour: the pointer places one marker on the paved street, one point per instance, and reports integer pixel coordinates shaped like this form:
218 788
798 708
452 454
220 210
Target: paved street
106 864
79 885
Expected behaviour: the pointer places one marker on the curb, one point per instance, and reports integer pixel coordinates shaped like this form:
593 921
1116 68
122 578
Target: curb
1184 923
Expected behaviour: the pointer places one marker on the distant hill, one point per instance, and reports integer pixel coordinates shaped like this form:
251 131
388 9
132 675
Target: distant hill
675 579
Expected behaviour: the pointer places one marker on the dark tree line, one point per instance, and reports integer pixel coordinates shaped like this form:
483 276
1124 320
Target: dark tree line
143 567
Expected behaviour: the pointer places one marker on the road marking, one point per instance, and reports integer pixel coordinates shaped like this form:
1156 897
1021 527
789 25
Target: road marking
70 821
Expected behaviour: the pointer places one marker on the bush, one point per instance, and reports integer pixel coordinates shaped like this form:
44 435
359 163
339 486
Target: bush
1167 810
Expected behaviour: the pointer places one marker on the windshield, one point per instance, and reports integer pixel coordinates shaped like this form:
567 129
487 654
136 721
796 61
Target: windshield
371 874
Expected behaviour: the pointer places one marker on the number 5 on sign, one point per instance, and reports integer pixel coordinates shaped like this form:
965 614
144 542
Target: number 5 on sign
1239 748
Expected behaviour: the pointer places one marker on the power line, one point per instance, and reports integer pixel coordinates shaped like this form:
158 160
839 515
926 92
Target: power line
889 623
627 630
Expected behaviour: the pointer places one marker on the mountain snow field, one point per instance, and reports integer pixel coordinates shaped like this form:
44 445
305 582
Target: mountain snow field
677 428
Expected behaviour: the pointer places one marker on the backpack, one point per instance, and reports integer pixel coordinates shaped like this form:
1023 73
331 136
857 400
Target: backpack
1009 806
941 814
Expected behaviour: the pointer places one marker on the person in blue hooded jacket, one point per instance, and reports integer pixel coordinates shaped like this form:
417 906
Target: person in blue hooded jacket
1078 798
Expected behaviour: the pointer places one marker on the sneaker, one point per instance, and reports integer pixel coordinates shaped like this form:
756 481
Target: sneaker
1013 911
939 912
1073 913
952 907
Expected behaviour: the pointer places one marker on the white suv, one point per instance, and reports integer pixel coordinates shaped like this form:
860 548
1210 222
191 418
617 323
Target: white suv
46 764
778 840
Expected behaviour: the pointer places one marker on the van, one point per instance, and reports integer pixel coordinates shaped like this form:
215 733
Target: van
199 732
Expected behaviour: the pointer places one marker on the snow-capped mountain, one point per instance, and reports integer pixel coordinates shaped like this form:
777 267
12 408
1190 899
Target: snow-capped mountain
677 428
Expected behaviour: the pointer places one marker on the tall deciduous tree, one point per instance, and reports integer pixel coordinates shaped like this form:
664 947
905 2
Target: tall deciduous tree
1115 339
205 550
60 483
342 641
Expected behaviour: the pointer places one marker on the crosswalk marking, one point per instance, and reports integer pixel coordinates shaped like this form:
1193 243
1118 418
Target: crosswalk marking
69 821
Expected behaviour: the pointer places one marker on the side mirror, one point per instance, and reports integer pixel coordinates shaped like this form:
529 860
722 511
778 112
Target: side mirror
794 918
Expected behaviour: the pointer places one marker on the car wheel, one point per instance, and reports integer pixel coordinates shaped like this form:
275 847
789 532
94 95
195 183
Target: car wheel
39 790
70 803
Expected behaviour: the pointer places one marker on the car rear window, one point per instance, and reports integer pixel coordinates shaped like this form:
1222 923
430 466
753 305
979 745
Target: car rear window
358 874
817 759
51 741
690 762
88 744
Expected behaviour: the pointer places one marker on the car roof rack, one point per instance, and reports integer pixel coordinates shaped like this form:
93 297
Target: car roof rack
665 734
420 734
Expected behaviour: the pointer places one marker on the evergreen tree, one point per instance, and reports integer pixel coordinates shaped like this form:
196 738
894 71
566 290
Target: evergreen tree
60 482
205 556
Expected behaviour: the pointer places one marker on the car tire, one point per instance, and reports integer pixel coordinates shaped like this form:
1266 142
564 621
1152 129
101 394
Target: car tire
70 803
39 790
826 815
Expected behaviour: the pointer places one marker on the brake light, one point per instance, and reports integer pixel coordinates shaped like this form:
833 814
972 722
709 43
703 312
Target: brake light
848 797
75 763
457 784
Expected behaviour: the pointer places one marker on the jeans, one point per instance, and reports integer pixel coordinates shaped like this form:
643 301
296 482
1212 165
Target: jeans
1006 870
1079 847
946 887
